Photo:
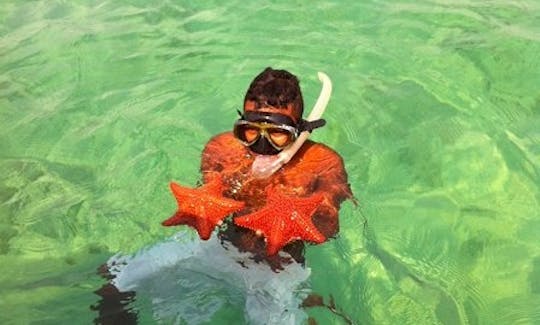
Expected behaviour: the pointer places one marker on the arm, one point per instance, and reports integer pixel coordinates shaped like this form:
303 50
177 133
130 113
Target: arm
326 166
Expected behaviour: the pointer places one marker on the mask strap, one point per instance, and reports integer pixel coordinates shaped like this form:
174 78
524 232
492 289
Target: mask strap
309 126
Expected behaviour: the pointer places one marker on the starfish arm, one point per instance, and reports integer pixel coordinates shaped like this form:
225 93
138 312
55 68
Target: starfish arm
304 226
202 208
180 218
276 240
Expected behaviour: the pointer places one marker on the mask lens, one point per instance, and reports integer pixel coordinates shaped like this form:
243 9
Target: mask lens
246 132
251 134
279 137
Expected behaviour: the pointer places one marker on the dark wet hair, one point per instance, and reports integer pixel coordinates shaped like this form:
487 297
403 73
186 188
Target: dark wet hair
276 88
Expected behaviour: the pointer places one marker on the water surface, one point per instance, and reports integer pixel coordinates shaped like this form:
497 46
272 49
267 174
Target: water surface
436 112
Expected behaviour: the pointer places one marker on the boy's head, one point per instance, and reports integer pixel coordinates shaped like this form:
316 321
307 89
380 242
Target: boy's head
273 109
275 91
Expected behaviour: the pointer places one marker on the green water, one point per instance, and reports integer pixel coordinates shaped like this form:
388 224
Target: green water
435 110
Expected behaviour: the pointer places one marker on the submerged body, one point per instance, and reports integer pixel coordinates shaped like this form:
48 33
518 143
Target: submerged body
189 280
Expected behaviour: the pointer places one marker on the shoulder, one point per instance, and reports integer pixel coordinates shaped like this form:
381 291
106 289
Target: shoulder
223 141
320 153
223 138
223 146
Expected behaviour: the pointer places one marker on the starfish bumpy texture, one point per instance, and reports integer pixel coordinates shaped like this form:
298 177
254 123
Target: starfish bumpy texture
202 208
284 219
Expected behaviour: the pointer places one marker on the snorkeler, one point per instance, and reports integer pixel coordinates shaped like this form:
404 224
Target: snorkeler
268 190
277 211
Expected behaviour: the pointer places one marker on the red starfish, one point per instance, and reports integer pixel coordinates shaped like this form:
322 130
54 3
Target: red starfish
284 219
202 208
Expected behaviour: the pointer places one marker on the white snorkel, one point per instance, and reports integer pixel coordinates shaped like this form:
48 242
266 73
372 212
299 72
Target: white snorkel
265 165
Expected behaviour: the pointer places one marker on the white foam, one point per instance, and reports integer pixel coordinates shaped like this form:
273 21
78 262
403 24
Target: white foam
188 279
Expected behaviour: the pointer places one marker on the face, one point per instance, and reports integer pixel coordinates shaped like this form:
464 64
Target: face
251 106
267 130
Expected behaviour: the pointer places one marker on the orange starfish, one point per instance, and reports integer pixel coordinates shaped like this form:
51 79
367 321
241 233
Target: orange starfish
202 208
284 219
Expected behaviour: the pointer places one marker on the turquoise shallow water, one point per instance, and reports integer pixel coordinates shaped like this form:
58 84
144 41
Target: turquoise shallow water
435 110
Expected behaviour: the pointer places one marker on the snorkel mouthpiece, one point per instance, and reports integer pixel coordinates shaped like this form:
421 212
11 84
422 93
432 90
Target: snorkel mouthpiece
265 165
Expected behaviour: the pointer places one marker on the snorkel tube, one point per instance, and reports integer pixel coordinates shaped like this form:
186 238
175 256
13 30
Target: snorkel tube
265 165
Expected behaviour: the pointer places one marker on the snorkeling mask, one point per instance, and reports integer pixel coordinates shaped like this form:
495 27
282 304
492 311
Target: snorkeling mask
265 165
269 133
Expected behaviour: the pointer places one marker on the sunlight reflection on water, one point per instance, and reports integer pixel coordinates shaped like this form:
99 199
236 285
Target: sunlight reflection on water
435 112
